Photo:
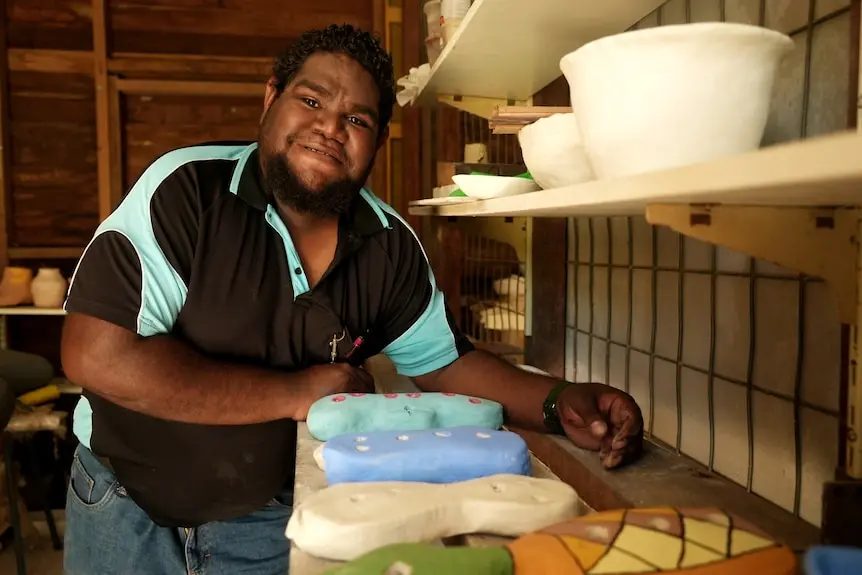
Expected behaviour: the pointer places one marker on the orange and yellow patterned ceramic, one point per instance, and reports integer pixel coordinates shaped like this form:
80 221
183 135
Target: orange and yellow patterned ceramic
663 540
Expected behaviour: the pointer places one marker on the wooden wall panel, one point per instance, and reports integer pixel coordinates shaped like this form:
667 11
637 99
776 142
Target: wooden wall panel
153 125
49 24
53 159
232 28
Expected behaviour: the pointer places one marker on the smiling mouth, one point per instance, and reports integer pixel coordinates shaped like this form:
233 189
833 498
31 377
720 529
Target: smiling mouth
322 153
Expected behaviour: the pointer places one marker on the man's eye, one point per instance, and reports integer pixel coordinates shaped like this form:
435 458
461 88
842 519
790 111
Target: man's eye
310 102
357 121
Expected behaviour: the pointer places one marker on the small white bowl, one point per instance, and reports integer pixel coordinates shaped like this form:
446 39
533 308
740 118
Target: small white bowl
487 187
554 153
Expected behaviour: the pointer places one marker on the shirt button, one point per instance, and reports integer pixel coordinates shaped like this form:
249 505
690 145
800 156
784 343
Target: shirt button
298 271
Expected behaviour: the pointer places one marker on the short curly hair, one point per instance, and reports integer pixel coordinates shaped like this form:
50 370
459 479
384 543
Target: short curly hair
362 46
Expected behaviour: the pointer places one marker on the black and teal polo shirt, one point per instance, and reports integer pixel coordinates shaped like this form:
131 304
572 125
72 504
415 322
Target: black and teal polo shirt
197 250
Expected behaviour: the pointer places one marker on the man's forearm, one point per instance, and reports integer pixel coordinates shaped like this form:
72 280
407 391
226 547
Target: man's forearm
166 378
521 393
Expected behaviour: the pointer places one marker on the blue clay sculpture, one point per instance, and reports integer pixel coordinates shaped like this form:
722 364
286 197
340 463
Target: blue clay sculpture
428 455
363 413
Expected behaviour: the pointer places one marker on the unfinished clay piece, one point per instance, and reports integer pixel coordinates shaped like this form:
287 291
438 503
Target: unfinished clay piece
429 455
363 413
344 521
424 559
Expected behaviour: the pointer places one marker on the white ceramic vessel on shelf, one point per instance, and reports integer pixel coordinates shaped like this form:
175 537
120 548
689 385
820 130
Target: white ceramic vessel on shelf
48 288
486 187
674 95
553 151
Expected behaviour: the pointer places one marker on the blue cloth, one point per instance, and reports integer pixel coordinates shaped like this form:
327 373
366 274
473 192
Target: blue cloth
108 534
825 560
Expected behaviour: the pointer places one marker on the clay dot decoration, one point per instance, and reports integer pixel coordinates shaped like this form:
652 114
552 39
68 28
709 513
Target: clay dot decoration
338 398
442 434
362 448
481 435
356 394
360 439
402 438
474 401
447 394
390 395
399 568
414 395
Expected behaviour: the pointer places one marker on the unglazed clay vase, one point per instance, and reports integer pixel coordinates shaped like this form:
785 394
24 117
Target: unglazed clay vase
15 287
553 151
48 288
671 96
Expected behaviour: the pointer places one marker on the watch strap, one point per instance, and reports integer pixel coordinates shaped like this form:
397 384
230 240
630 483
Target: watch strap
549 410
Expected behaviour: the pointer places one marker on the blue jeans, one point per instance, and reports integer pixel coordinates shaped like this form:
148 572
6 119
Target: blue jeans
108 534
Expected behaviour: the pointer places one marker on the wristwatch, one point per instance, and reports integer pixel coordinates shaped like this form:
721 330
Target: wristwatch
549 410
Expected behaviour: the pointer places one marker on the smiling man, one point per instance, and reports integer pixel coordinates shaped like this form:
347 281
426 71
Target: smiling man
224 296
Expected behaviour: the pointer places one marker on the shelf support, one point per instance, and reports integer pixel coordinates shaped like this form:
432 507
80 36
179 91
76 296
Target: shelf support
483 107
817 242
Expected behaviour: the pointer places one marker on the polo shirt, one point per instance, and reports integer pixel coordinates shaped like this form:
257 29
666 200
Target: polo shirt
197 250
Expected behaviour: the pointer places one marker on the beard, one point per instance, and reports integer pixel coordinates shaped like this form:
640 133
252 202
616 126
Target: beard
335 199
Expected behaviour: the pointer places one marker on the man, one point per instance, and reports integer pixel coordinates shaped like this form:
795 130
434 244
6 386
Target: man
227 293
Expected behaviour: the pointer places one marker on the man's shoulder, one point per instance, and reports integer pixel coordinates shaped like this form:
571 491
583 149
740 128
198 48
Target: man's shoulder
188 157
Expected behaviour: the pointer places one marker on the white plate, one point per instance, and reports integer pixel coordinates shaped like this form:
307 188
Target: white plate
485 187
448 201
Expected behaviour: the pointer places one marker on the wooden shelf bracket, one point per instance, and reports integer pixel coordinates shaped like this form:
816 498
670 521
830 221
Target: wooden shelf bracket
483 107
819 242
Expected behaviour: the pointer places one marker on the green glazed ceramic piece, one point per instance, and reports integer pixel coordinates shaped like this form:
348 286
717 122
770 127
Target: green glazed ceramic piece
425 559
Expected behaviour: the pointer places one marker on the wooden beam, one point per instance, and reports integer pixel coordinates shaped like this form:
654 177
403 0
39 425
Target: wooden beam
46 253
128 64
194 88
411 149
56 61
5 149
115 143
103 107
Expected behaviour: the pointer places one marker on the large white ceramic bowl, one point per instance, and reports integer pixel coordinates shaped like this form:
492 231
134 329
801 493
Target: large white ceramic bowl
553 151
487 187
673 95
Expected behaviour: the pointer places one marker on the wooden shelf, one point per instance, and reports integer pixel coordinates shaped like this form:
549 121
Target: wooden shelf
824 171
31 310
511 49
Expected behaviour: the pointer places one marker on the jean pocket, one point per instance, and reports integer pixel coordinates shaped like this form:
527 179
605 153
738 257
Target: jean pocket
93 487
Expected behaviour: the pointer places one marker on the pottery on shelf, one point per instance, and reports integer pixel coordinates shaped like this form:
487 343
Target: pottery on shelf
553 151
48 288
485 186
670 96
15 287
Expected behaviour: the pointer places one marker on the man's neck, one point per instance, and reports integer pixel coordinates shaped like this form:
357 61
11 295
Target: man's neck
304 224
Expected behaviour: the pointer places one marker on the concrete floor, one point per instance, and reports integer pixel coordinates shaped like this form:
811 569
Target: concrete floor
41 559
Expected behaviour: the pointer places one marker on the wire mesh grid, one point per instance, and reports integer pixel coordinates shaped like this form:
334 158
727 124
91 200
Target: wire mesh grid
493 286
592 368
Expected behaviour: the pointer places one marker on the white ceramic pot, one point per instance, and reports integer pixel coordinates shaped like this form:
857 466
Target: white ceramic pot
673 95
48 288
553 151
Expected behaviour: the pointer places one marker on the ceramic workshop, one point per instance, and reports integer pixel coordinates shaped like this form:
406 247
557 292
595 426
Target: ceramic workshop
431 287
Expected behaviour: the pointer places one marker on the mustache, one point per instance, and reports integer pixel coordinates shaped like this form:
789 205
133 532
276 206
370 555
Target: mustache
320 145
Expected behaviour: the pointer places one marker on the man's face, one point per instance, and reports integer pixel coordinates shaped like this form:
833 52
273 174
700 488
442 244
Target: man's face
319 137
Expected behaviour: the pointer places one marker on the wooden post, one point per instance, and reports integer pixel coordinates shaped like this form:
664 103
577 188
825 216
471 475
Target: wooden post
5 148
103 107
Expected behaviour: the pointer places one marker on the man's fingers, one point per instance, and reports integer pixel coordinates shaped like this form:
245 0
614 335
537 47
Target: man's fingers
583 409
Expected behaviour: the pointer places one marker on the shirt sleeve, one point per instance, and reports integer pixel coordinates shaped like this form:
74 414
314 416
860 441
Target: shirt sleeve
134 272
419 327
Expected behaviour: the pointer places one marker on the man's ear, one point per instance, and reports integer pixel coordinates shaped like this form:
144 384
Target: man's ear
383 137
270 96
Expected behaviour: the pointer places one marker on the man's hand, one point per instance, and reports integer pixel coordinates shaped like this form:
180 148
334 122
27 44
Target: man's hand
330 378
604 419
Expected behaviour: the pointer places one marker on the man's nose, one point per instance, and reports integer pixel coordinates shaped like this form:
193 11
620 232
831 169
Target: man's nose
331 125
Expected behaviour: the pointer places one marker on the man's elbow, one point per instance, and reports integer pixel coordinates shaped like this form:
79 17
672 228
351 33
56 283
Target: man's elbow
86 350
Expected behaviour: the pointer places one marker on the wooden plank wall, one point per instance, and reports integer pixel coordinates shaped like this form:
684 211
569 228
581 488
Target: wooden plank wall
80 127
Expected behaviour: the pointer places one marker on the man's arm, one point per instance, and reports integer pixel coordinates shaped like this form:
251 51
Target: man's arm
166 378
485 375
